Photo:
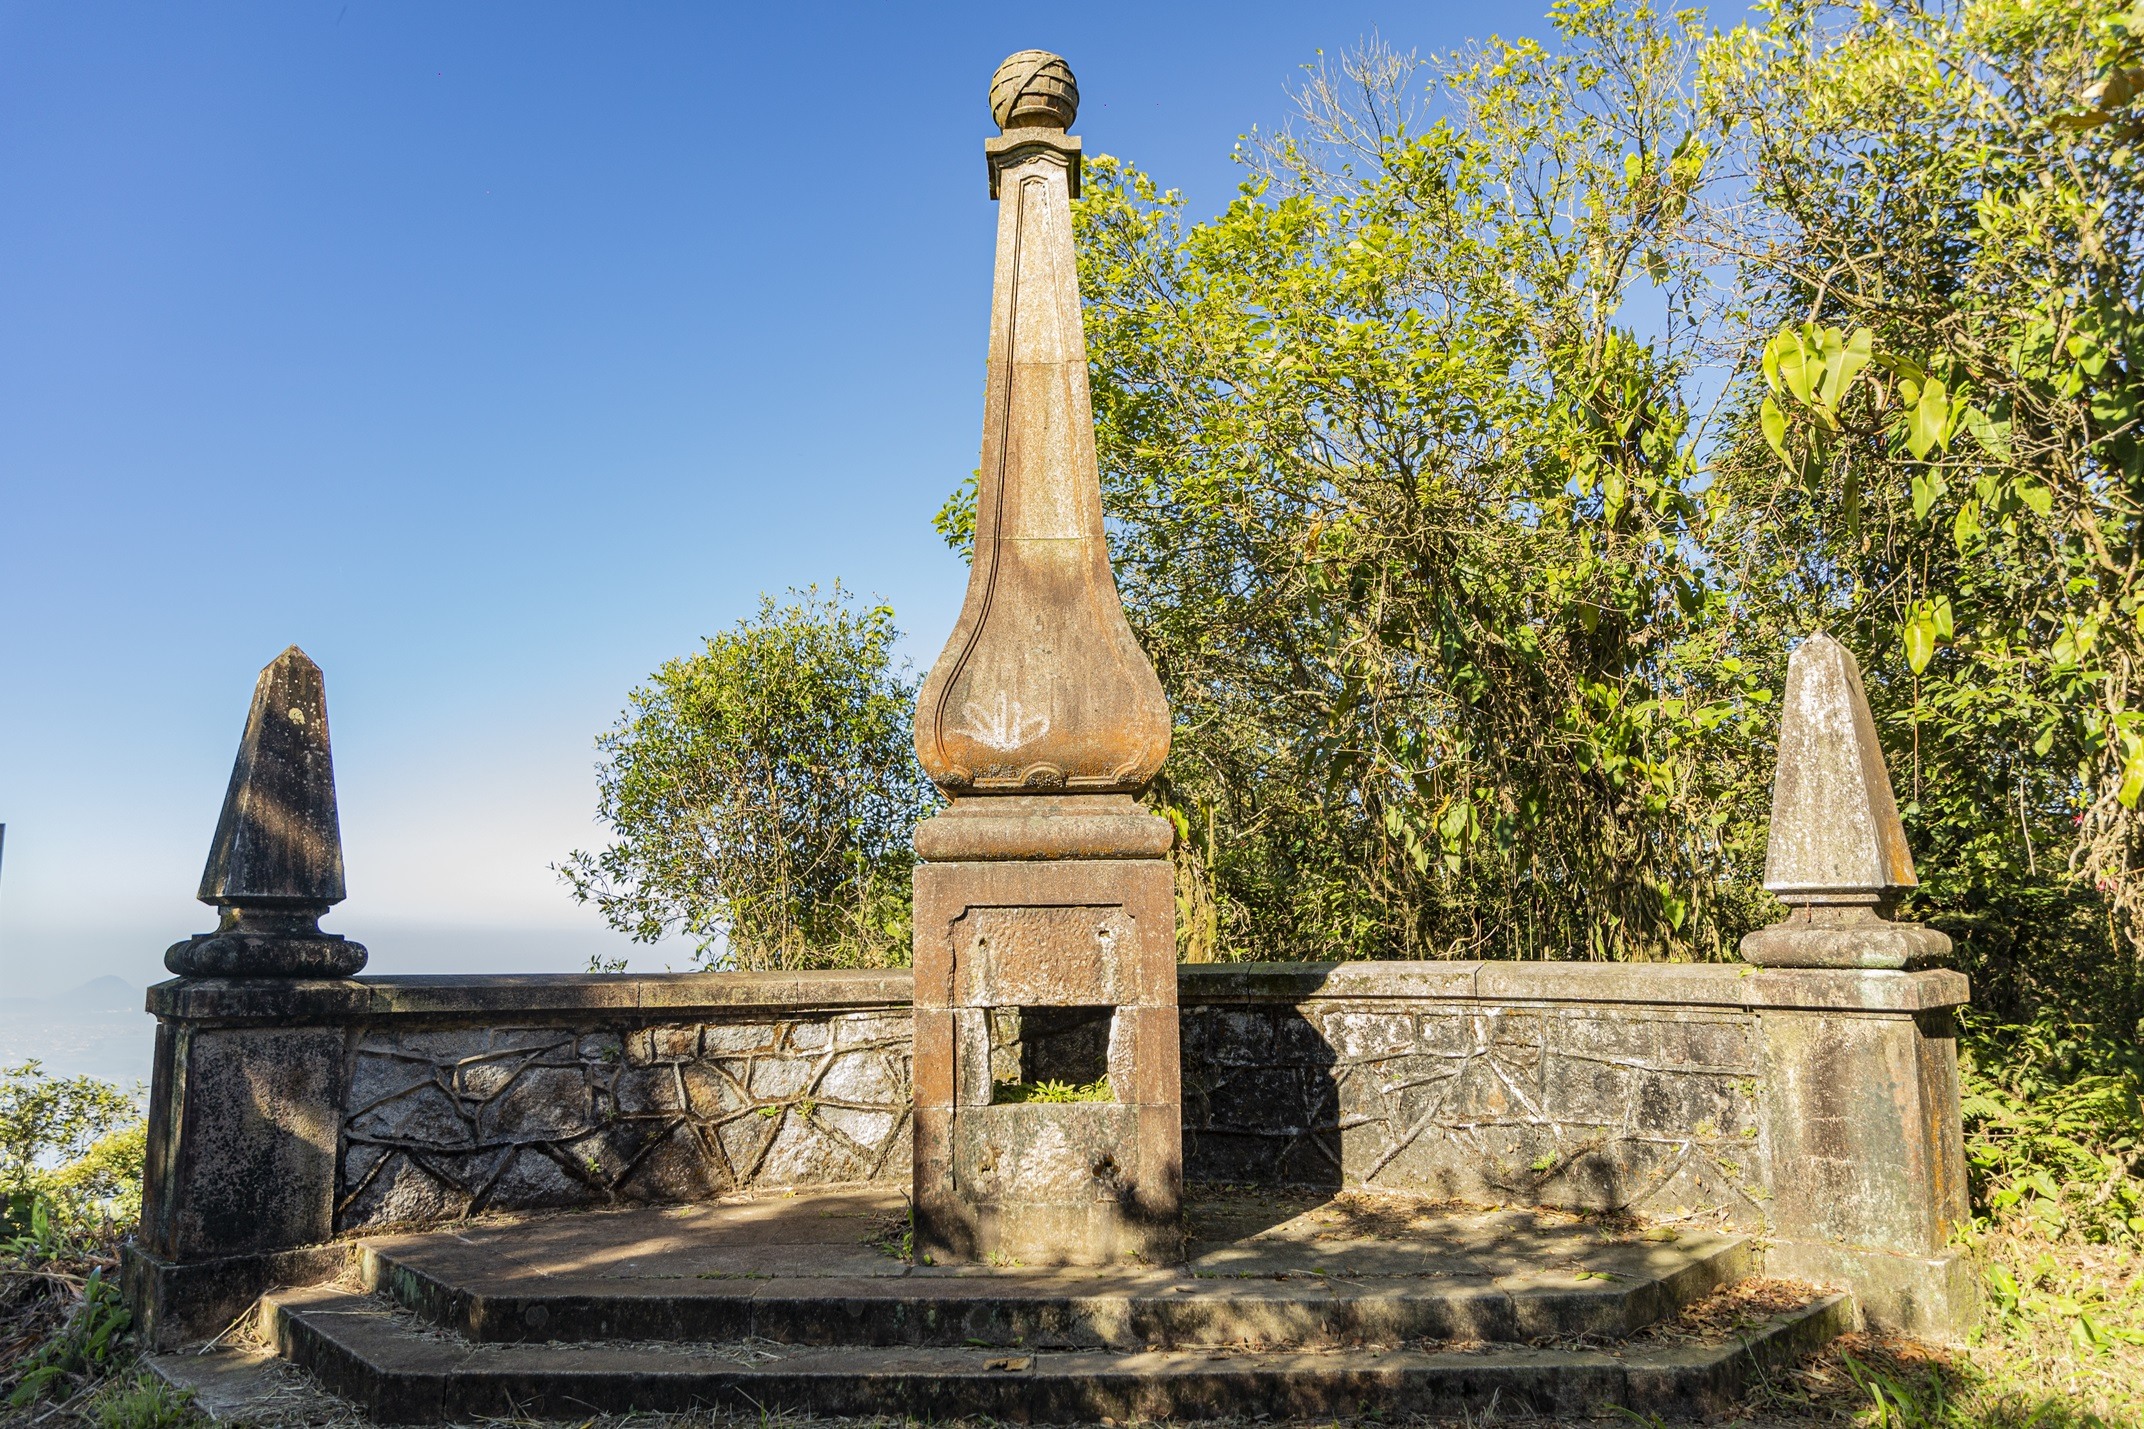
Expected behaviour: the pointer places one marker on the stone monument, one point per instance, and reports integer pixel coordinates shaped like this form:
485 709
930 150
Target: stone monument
1862 1106
1837 854
239 1188
1045 944
275 864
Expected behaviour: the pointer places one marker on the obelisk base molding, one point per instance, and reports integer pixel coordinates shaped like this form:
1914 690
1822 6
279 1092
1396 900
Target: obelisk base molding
1057 972
264 942
1845 936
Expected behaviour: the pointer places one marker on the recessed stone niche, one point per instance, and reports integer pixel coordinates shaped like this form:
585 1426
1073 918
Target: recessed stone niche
1032 1046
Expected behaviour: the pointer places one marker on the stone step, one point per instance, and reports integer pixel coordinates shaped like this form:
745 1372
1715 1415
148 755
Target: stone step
399 1369
1267 1275
1155 1310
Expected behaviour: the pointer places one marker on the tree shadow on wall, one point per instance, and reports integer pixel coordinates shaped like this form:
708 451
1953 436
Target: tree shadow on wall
1261 1098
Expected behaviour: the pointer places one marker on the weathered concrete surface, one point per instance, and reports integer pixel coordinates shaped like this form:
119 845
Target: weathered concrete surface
1835 828
1266 1270
1868 1153
1817 1105
1835 937
1034 87
242 1139
1081 1183
186 1302
401 1373
1303 1302
443 1123
1032 826
278 839
482 1000
275 864
240 1170
1044 886
240 1385
1935 1297
1629 1084
1603 985
286 1111
1653 1109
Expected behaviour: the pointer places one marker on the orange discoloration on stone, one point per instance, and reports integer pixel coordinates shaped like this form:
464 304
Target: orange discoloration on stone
1041 686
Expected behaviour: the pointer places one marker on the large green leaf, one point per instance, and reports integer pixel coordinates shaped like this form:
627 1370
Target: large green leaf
1920 640
1775 427
1926 419
1843 359
1928 488
1797 361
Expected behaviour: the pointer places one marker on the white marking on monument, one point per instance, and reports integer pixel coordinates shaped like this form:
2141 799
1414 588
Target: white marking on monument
1004 728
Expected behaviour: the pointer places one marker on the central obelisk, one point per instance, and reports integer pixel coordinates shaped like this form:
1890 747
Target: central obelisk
1045 923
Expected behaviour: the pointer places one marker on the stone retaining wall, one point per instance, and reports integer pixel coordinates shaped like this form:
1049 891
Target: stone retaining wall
1359 1078
1816 1106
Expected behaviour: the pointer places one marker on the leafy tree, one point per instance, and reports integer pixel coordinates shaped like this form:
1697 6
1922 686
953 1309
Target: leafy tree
1469 607
70 1154
763 792
1935 443
1405 510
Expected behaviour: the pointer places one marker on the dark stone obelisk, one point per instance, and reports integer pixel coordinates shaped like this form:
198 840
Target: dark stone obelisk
276 863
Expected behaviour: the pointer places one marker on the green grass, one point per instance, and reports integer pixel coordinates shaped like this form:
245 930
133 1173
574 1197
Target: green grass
142 1401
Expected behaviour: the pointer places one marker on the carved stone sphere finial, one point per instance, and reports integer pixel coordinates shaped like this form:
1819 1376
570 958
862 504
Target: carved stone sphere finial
1034 88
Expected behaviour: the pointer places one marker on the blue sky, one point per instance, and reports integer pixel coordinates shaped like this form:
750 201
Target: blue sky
494 354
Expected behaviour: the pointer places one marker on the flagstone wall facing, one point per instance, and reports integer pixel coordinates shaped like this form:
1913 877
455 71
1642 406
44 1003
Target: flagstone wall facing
441 1123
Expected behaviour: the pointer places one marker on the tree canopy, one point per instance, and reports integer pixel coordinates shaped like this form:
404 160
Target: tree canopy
1472 474
763 792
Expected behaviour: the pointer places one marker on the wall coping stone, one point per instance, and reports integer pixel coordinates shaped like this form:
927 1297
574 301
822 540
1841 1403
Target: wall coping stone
532 994
1725 985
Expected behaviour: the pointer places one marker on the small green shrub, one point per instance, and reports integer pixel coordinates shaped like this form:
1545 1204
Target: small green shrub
91 1345
1014 1092
71 1153
2054 1125
1897 1404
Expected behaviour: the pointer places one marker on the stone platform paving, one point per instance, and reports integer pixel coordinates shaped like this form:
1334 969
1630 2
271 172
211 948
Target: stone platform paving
1306 1304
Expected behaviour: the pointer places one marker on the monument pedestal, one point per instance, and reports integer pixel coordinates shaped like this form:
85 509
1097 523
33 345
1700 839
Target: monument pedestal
1036 972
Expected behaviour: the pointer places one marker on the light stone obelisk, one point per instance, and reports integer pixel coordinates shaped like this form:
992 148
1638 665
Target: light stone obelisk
1837 854
1045 933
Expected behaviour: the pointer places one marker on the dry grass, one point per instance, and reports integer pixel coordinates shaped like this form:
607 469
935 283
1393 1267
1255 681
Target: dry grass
2067 1353
1731 1312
